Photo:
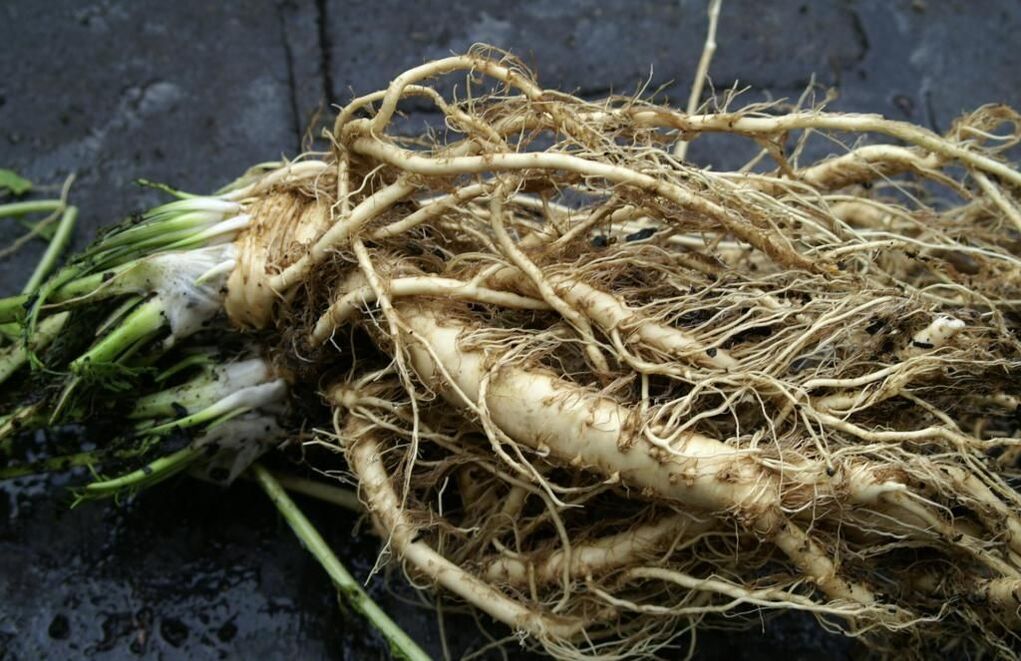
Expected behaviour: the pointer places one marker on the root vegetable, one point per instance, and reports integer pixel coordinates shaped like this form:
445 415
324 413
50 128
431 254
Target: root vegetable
590 388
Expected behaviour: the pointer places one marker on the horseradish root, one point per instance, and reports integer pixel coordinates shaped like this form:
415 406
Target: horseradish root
602 393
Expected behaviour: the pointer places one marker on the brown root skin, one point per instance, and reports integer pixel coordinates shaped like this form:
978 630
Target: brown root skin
285 223
1004 594
365 452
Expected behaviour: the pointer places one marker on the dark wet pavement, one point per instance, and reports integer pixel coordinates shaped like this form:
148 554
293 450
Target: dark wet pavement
191 93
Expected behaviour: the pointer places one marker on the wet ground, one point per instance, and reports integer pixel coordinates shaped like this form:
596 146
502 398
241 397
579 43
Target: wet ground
191 93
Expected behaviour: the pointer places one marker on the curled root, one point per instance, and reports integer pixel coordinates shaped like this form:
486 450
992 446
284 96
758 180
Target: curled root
382 502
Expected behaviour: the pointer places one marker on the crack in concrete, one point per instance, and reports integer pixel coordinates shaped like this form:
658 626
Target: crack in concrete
325 52
861 36
292 83
930 110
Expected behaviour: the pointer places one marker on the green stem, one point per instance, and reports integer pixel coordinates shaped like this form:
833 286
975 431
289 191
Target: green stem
64 400
17 355
51 465
111 254
26 417
118 314
194 360
32 206
148 183
156 232
325 492
400 643
12 308
141 323
11 359
216 414
57 245
148 475
202 391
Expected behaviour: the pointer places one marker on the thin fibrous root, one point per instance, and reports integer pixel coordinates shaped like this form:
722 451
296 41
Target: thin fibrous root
776 248
377 489
345 307
611 314
598 556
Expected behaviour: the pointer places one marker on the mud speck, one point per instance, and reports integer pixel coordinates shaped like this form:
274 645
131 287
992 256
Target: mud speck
60 628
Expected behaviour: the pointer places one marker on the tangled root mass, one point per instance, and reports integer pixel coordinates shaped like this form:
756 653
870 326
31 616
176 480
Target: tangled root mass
614 395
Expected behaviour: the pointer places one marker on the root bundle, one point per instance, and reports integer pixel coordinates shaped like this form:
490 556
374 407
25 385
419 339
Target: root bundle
607 396
628 394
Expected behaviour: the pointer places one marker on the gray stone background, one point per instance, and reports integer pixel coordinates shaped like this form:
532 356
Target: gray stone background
192 92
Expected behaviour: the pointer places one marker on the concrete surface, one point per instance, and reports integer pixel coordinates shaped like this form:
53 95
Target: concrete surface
192 92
